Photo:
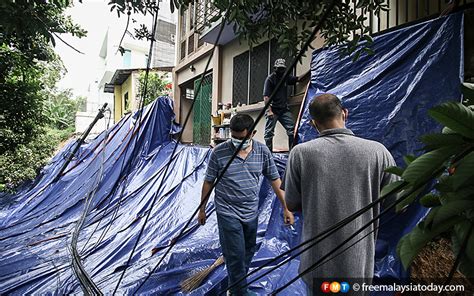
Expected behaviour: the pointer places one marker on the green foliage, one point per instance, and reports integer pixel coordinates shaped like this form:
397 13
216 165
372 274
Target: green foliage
156 86
29 26
291 22
60 109
21 99
449 158
468 90
29 71
24 162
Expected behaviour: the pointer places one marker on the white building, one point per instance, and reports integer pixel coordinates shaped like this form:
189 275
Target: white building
133 54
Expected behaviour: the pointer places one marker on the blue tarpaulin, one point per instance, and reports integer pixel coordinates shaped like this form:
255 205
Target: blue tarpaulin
388 95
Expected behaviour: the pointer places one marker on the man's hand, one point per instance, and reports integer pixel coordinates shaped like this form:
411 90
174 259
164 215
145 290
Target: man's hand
269 112
288 217
202 217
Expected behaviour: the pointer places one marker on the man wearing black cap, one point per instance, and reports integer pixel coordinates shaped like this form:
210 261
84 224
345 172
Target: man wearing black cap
278 110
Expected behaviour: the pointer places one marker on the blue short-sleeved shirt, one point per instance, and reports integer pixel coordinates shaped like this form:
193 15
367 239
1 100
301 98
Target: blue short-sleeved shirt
236 194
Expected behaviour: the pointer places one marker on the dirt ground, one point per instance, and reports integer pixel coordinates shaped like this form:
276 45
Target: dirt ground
435 262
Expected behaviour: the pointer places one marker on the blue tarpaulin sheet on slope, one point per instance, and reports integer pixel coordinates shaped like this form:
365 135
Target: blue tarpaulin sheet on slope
35 231
388 94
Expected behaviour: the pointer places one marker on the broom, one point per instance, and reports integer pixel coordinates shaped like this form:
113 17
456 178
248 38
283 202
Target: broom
194 281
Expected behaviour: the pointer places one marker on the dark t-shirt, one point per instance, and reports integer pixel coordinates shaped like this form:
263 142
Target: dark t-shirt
280 100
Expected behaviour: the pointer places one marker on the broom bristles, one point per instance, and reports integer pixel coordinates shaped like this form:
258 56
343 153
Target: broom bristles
194 281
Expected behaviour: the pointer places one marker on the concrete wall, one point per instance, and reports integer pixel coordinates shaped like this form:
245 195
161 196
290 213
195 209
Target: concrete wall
119 98
234 48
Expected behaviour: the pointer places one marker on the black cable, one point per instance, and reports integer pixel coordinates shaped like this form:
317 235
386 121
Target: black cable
123 177
87 284
136 191
312 267
125 168
260 116
140 110
105 213
316 264
360 239
171 158
318 238
136 129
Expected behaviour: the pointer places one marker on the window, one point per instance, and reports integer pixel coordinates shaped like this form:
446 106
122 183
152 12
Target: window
192 13
258 72
183 24
200 42
250 70
183 49
127 58
240 79
189 93
126 103
191 44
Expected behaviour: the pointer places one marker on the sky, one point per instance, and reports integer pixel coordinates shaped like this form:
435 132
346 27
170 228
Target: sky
94 16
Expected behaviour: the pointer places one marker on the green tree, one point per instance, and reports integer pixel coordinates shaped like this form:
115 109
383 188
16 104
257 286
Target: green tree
30 26
157 86
60 109
449 159
289 21
28 66
29 70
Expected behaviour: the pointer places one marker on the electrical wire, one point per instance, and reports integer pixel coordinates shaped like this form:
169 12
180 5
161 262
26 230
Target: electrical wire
171 158
85 279
385 211
316 239
260 116
139 121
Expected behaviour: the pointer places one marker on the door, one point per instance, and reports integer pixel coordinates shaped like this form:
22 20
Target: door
202 111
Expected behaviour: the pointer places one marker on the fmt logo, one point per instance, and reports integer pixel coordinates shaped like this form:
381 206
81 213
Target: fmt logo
335 287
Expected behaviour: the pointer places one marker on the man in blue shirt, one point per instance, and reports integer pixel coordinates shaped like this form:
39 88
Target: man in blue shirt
236 197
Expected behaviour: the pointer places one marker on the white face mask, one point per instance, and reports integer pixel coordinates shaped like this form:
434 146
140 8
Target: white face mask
237 142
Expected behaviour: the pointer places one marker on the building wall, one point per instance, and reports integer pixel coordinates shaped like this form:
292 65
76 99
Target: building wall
109 59
118 106
119 98
224 58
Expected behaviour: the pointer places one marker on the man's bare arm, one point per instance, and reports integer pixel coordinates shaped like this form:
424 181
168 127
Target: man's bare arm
206 188
287 214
